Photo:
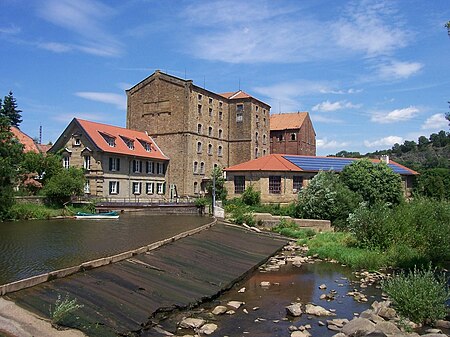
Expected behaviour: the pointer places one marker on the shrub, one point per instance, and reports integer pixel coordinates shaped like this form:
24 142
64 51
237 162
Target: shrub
419 295
63 307
63 185
291 229
326 198
251 197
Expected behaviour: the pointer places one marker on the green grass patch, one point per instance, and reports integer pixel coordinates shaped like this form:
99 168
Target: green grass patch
26 211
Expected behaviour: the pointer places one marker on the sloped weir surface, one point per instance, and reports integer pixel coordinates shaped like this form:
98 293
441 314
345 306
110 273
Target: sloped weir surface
121 298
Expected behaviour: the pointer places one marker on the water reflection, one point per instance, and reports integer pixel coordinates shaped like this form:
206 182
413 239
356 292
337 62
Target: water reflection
29 248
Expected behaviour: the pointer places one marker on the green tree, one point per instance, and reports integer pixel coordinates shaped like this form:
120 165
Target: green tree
45 166
10 158
221 191
327 198
9 110
64 185
374 182
434 183
251 197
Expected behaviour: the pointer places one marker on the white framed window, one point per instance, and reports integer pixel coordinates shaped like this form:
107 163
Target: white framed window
239 117
137 187
195 167
210 149
87 188
146 146
160 168
114 164
220 104
77 142
220 133
150 167
210 131
210 112
149 188
220 115
160 188
199 129
137 166
264 139
195 187
113 187
199 97
210 100
87 162
202 168
66 162
199 147
219 151
199 109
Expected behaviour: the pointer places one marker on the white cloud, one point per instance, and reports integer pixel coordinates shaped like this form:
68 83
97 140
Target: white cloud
397 115
386 141
105 97
67 117
330 144
11 30
325 119
399 70
55 47
84 18
435 122
328 106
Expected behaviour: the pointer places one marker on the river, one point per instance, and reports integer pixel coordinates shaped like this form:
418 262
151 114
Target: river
33 247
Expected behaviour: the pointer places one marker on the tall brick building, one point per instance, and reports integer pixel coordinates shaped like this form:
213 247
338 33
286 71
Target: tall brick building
292 133
196 128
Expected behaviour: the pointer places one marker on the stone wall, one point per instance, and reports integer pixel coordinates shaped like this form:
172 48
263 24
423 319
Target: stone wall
266 220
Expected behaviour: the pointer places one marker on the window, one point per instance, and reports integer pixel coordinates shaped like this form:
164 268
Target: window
220 133
87 162
280 138
239 117
113 187
150 167
257 119
129 142
202 168
264 139
264 152
256 108
210 112
199 147
256 152
240 107
114 164
264 121
137 166
239 184
77 142
199 109
264 111
160 168
220 115
149 187
110 140
87 188
256 136
209 149
199 128
200 97
220 104
136 187
195 167
160 188
210 100
146 146
275 184
210 131
298 183
293 136
66 162
195 187
219 151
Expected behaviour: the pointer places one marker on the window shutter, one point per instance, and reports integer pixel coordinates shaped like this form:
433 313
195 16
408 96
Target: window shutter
146 166
110 167
164 188
118 166
140 165
110 185
117 187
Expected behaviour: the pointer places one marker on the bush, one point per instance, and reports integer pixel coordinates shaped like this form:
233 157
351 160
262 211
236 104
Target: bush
291 229
326 198
419 295
251 197
63 185
63 307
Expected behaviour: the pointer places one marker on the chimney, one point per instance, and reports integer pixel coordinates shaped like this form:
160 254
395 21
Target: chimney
385 158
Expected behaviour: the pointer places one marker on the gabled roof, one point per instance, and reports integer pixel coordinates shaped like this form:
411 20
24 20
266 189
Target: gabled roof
236 95
96 132
28 144
284 163
287 121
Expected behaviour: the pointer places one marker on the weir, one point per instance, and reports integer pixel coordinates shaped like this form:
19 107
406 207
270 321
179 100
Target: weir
121 298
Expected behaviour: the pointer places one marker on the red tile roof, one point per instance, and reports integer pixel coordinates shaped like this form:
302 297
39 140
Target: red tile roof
27 142
94 132
287 121
272 162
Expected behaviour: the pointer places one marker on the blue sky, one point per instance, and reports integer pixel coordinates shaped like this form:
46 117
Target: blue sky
371 73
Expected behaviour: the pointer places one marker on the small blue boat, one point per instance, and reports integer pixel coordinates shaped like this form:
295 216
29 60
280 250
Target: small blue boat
108 215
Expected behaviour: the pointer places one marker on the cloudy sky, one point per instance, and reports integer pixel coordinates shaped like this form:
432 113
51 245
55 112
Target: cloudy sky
371 73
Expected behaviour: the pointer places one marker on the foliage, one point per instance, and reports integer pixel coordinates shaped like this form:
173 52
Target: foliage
434 183
276 209
374 182
201 202
413 232
26 211
239 212
63 307
9 110
340 246
291 229
251 197
419 295
10 157
63 185
326 197
45 166
221 191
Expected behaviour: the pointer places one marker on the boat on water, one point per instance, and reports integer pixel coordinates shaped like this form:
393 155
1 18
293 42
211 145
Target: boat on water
107 215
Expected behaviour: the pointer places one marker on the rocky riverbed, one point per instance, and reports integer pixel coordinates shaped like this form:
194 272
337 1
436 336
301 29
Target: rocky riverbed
294 295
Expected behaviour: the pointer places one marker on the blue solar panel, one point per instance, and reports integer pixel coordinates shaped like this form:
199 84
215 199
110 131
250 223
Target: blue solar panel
315 164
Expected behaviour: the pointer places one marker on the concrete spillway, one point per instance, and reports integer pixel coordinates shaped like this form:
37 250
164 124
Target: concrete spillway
121 298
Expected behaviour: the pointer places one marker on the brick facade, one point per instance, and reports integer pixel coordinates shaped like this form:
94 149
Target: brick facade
196 128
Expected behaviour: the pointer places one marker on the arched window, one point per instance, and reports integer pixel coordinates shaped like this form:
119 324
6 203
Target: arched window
199 128
293 136
256 153
202 168
199 147
195 167
264 139
220 133
195 187
210 149
210 131
219 151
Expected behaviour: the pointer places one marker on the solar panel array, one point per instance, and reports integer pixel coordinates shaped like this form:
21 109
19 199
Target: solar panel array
315 164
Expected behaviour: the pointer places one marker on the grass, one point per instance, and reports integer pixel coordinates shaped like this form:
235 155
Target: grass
26 211
62 308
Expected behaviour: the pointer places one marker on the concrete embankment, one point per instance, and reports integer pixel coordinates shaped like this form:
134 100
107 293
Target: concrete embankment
119 298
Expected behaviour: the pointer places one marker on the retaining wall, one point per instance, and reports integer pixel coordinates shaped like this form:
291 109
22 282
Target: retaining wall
268 220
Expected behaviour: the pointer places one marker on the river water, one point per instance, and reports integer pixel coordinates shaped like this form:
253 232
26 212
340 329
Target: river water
33 247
